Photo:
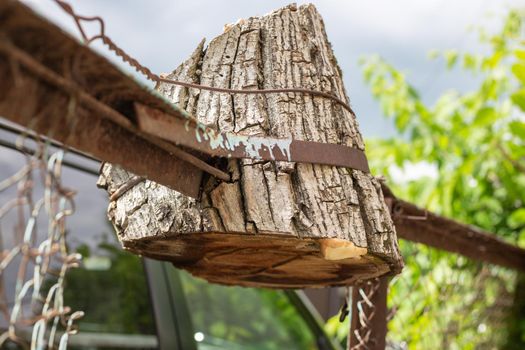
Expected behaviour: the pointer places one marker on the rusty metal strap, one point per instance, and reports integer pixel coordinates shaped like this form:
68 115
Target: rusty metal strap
194 135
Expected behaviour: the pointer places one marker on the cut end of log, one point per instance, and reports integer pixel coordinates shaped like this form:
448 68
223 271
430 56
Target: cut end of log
272 224
262 260
339 249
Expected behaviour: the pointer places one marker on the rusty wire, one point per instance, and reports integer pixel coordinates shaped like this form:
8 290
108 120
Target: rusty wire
365 313
36 256
112 46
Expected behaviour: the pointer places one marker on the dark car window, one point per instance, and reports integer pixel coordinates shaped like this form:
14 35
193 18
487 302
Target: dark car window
111 289
244 318
110 286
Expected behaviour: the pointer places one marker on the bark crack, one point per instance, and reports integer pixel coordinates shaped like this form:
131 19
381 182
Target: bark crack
232 96
244 209
289 48
268 190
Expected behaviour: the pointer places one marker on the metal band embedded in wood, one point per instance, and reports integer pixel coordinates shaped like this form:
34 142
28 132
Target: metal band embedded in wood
194 135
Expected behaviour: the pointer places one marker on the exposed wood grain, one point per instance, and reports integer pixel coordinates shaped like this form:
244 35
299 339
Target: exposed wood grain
275 223
339 249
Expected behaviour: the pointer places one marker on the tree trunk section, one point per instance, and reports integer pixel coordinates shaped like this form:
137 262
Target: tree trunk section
275 224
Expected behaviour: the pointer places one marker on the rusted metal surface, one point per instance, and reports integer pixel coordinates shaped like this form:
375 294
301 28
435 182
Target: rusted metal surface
187 132
368 326
76 93
33 102
55 97
64 55
419 225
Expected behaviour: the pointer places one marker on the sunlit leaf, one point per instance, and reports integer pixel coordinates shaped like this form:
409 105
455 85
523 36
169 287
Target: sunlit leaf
519 71
517 218
519 99
518 129
485 116
520 54
451 57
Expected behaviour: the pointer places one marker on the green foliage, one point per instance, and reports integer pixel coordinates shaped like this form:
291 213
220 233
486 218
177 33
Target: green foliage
475 141
115 300
337 330
472 146
245 318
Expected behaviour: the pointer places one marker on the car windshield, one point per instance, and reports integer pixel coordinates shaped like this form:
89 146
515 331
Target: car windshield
244 318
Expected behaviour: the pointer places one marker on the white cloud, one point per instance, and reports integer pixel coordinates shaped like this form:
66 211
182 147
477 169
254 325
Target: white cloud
413 171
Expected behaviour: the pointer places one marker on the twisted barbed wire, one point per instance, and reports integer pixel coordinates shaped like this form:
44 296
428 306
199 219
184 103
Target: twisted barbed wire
36 256
146 72
365 313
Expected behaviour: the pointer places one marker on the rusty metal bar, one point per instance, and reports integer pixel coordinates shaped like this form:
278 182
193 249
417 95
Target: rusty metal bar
421 226
33 46
16 130
37 102
70 88
197 136
26 150
368 325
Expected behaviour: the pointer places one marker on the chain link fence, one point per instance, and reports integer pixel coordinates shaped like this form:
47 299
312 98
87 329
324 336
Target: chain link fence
34 257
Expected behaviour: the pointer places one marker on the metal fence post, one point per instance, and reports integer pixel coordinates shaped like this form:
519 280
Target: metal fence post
368 325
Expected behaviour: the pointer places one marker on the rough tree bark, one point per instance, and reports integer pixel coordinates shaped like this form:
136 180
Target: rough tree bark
275 224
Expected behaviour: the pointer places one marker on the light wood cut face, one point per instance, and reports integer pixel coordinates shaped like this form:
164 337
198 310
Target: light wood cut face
263 260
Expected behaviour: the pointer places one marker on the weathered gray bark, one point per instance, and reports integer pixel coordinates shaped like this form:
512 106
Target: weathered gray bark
272 200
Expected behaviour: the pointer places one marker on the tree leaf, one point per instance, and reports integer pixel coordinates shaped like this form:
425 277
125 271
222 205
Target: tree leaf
520 54
519 71
485 116
518 98
517 218
518 129
451 57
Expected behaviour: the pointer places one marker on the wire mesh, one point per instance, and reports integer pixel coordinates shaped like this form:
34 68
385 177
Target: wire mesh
34 257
